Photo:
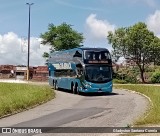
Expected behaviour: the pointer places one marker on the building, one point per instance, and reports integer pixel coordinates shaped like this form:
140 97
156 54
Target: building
7 71
21 72
40 73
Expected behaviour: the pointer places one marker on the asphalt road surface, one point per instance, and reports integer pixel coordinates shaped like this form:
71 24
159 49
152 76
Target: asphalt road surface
68 110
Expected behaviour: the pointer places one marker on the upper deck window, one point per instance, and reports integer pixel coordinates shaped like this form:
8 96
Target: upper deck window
96 56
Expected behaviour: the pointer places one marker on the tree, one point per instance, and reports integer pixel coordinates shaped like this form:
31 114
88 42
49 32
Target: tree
155 51
45 55
135 43
62 37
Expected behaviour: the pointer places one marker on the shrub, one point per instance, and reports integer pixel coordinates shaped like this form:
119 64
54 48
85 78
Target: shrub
116 75
155 77
118 81
131 79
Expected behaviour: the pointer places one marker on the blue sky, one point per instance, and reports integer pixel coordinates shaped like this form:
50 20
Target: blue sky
93 18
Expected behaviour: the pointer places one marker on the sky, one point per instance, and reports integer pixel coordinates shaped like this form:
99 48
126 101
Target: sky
93 18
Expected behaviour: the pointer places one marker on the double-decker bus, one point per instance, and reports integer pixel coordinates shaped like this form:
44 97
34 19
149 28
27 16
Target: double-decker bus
81 70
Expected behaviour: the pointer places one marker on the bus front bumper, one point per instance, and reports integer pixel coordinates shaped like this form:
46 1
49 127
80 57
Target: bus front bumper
97 88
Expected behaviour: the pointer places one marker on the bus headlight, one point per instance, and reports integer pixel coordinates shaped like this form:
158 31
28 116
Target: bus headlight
88 85
81 88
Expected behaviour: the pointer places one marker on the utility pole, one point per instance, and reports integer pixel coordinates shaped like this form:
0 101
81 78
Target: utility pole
29 4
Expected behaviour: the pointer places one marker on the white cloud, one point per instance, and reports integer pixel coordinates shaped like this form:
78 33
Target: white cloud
67 3
150 3
98 28
13 50
158 35
153 22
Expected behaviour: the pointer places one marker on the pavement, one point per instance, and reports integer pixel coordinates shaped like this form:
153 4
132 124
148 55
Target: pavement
134 106
69 110
12 81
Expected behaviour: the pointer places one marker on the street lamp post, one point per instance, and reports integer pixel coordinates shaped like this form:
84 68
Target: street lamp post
29 4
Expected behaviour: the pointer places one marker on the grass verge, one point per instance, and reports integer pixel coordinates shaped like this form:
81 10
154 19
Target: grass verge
153 92
18 97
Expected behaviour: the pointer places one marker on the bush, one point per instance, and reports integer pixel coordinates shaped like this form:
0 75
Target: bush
131 79
116 75
155 77
118 81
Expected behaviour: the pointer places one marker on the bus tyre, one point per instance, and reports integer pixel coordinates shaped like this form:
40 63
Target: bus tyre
76 89
55 86
72 88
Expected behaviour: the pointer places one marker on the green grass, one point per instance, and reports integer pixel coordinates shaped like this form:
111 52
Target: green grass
153 115
18 97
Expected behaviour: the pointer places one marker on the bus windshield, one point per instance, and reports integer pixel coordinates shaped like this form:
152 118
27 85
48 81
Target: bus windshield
98 74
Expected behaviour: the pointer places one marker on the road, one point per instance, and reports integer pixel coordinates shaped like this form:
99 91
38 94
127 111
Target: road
114 110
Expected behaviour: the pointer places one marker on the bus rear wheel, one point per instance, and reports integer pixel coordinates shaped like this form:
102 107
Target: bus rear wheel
76 91
55 85
72 88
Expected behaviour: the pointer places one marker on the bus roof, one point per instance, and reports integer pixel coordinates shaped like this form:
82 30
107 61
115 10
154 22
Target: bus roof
81 48
97 49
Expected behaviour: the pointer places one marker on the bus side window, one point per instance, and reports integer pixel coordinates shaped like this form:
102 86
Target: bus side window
72 73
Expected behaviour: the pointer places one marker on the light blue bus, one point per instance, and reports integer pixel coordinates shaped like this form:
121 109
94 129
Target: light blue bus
81 70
